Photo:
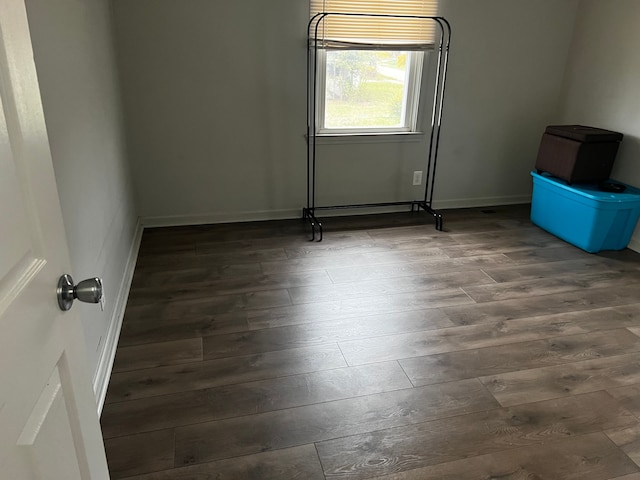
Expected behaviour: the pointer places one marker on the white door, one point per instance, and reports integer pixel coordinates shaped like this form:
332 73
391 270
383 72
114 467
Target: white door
49 426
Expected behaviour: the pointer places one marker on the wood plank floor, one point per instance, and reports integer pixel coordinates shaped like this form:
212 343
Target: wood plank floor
389 350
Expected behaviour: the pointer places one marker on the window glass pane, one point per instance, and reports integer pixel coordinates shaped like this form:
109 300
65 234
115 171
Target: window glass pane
366 89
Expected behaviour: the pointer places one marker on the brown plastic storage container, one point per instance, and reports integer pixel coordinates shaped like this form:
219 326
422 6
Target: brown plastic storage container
576 153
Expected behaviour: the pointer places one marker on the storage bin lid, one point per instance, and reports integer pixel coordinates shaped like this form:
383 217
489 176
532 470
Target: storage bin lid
584 134
592 190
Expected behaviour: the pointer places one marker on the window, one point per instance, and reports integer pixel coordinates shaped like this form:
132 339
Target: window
370 68
369 91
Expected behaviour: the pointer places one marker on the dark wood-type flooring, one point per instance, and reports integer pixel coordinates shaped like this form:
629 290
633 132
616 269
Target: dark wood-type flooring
491 350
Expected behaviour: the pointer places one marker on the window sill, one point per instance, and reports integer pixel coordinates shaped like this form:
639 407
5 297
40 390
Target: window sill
386 137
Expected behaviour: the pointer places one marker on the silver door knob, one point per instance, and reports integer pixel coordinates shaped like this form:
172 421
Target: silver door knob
88 291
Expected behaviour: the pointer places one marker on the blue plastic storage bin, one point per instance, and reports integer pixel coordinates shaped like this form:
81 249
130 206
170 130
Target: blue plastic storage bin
583 215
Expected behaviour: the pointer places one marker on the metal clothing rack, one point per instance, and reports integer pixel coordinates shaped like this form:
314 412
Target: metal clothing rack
309 212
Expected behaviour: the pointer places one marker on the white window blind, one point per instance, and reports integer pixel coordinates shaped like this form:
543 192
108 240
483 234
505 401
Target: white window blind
405 33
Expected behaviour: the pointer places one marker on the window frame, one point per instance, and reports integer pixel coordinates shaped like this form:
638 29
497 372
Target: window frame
410 100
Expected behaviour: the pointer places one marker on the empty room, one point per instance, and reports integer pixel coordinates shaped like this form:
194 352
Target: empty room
320 239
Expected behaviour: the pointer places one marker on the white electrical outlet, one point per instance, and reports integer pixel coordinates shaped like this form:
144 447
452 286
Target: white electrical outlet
417 177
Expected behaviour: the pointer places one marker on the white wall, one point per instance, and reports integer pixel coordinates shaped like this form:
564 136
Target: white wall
215 104
602 83
507 64
215 101
74 56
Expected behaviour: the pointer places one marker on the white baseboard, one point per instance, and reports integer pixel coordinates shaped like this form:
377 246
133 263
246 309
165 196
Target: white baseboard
208 218
105 364
211 218
481 202
346 212
634 244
